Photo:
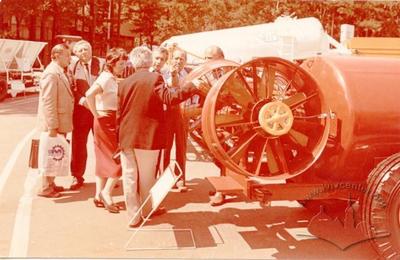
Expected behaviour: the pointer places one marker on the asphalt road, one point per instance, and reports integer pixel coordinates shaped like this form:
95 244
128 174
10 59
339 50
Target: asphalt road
72 227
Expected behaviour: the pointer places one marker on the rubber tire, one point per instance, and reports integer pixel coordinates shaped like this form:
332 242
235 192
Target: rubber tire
3 90
381 207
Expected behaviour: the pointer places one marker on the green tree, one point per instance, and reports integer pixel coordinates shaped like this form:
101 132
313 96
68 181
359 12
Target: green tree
20 9
156 21
143 15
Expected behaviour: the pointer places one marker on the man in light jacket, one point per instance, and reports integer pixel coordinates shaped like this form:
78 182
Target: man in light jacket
56 103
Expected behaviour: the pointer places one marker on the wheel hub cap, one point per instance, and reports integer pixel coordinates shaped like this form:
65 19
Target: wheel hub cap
276 118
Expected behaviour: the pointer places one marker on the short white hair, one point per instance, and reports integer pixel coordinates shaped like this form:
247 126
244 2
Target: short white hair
141 57
80 43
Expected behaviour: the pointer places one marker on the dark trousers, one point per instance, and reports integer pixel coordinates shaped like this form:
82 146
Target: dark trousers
83 123
177 130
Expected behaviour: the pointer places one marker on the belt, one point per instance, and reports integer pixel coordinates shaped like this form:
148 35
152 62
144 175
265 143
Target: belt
106 112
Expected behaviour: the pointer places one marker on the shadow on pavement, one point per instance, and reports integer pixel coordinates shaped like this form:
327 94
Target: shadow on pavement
198 192
279 227
242 224
85 193
263 229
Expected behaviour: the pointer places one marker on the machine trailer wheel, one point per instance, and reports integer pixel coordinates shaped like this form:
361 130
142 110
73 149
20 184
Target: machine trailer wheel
381 208
3 90
209 72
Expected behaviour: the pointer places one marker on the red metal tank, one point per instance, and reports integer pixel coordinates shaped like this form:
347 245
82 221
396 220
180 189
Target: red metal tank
363 94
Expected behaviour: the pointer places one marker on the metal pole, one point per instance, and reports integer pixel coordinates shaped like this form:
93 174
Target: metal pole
109 25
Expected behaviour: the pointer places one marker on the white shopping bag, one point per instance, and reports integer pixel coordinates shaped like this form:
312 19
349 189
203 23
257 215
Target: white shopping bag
53 155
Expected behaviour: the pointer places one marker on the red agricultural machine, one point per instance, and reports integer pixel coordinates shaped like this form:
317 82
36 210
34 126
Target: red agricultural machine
324 131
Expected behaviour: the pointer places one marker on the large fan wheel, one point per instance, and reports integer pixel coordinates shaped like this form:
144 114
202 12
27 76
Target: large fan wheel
266 119
209 73
381 208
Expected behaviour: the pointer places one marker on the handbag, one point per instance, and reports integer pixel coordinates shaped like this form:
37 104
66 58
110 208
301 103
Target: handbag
53 158
34 154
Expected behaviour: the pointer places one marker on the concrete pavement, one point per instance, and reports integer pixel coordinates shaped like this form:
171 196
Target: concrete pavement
72 227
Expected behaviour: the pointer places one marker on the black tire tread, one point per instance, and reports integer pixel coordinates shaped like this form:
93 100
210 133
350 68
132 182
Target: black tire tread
384 184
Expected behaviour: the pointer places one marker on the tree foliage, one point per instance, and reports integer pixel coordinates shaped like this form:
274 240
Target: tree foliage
154 21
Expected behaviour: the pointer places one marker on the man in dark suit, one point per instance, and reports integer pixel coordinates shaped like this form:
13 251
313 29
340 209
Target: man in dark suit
142 130
175 76
84 70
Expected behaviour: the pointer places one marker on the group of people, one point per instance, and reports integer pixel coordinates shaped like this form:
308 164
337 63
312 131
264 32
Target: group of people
134 121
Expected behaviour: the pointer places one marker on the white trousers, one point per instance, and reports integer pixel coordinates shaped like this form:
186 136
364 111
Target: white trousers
139 168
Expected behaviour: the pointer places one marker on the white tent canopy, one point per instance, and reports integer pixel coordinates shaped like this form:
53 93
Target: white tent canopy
18 54
287 37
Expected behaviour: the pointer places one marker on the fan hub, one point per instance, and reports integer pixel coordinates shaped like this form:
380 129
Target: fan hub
276 118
